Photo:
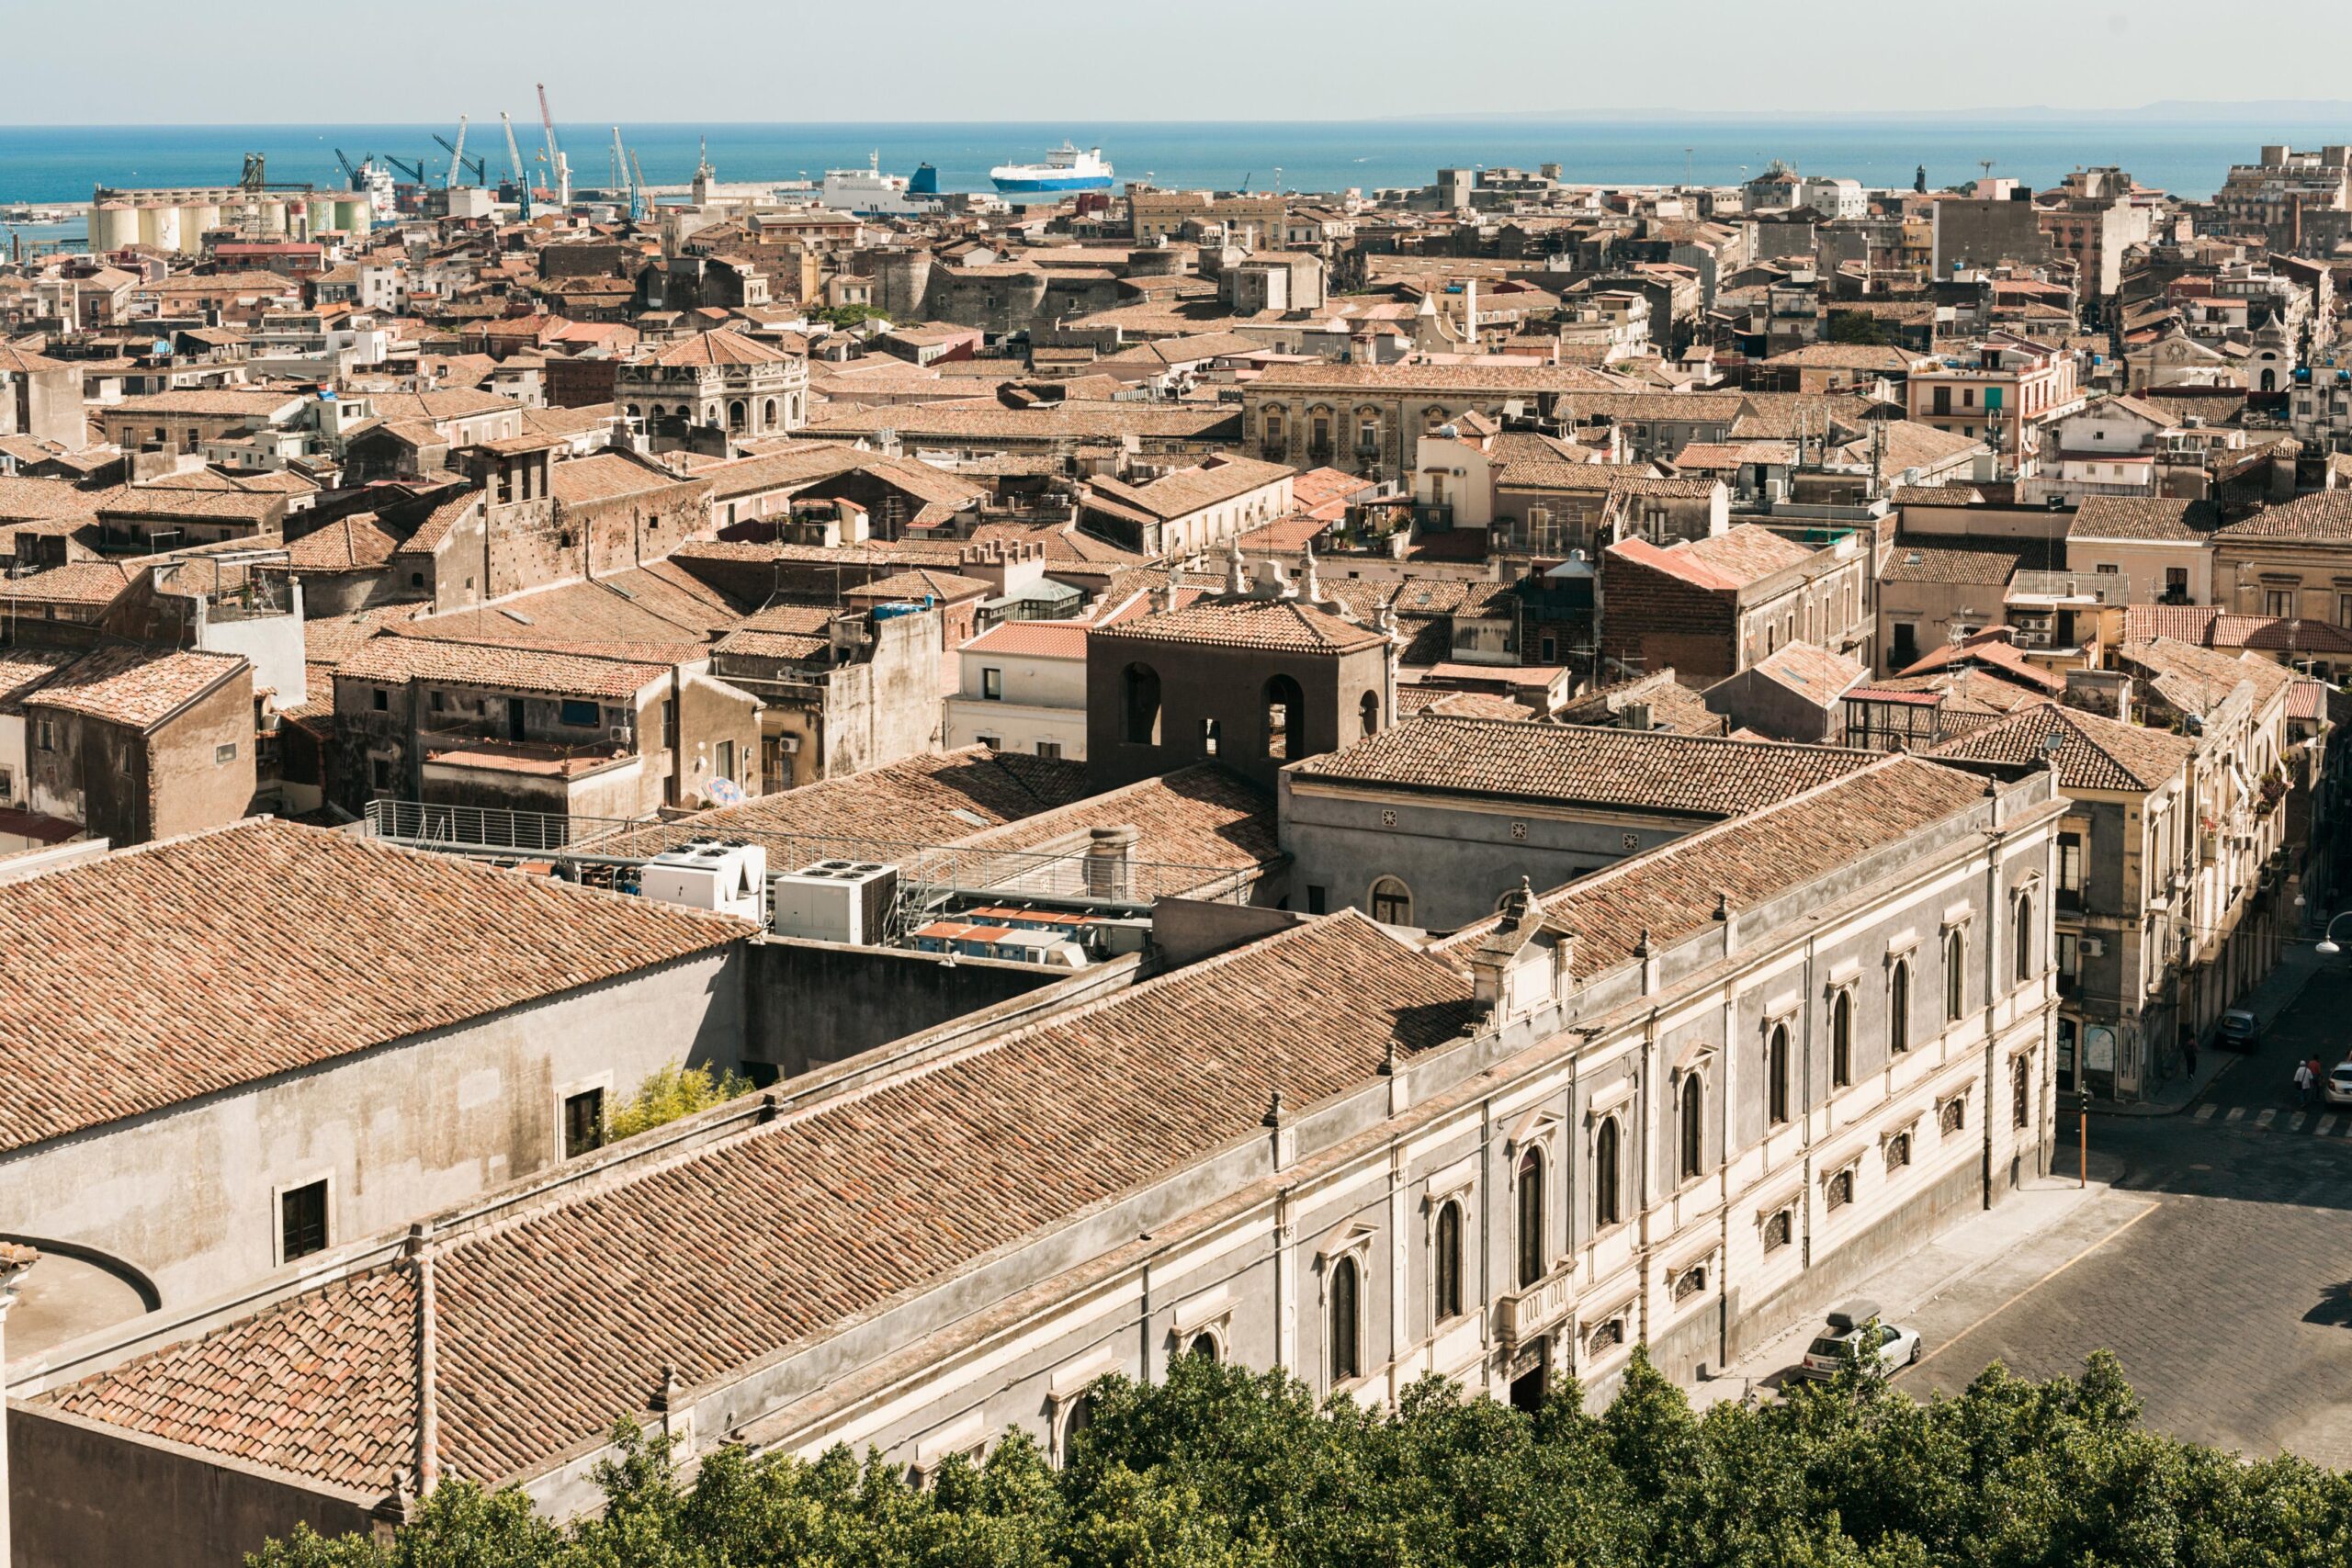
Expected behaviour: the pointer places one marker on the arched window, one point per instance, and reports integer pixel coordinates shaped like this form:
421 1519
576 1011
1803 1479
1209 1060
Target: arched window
1606 1209
1898 1006
1531 1217
1898 1150
1955 976
1841 1040
1446 1267
2025 939
735 415
1775 1071
1286 719
1370 708
767 414
1141 707
1204 1347
1212 737
1347 1359
1392 902
1694 1113
633 411
1076 1419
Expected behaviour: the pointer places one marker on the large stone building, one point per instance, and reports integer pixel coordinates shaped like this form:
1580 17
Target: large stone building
1683 1104
1260 675
718 380
1430 824
1712 607
1370 419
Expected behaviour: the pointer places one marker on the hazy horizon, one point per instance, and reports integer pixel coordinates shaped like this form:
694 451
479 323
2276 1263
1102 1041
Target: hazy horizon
944 61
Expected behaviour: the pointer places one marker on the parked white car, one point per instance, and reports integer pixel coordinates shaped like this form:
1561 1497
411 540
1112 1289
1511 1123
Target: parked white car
2339 1084
1896 1346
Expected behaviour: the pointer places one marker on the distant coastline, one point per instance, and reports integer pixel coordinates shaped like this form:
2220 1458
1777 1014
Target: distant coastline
2187 152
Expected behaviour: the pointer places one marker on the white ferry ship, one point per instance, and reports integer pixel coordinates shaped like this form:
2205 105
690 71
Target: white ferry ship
870 193
1066 169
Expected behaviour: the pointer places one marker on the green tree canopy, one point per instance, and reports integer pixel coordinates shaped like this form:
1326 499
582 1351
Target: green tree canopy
1219 1467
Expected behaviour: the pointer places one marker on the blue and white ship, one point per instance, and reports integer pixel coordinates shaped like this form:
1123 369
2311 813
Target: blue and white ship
1066 169
870 193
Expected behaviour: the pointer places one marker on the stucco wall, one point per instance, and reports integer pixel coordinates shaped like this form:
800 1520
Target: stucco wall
188 1195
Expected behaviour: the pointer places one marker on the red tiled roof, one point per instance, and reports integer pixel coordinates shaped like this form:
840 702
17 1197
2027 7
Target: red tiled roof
137 687
391 660
362 944
830 1211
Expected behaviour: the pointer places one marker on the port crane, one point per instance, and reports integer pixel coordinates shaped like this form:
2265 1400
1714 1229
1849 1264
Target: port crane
522 174
458 162
637 204
635 188
557 171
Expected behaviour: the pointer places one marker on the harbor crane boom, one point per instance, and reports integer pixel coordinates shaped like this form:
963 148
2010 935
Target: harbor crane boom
522 174
557 170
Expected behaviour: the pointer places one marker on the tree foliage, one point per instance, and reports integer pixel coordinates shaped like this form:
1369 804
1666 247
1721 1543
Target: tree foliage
1857 327
1219 1467
671 1093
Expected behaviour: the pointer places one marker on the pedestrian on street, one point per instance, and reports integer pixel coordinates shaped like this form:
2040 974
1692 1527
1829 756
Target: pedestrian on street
2188 1050
2305 1076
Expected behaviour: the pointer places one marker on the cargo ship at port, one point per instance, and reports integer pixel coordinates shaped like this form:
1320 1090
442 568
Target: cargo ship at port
1066 169
870 193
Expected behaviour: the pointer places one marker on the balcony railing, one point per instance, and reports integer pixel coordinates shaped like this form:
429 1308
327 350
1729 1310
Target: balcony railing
489 829
1534 1309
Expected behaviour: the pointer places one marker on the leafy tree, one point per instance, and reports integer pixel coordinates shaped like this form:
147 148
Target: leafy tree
847 316
671 1093
1220 1467
1857 327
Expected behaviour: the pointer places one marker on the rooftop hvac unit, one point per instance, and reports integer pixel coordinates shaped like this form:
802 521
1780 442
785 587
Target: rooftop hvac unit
725 875
834 901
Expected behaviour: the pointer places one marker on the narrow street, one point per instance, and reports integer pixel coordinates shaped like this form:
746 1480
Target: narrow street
2218 1266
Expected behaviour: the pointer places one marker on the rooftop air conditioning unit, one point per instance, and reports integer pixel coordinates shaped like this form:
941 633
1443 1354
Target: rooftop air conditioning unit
834 901
725 876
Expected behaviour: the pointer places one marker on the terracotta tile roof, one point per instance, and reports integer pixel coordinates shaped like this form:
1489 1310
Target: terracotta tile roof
1445 379
357 543
1584 764
1282 625
2198 680
717 348
428 408
1221 479
881 1193
137 687
931 799
2092 752
362 944
1812 671
1671 891
83 583
1991 647
1033 639
602 477
918 582
439 521
1201 816
1940 558
28 500
2323 516
331 639
1672 705
221 403
2136 519
395 661
1723 562
1414 699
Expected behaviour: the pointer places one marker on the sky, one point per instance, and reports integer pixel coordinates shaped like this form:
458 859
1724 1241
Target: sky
792 60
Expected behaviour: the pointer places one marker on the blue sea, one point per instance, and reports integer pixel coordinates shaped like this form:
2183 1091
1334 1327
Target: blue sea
61 164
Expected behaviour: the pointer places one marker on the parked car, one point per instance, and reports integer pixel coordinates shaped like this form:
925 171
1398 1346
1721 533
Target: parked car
1896 1346
2339 1085
2237 1030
